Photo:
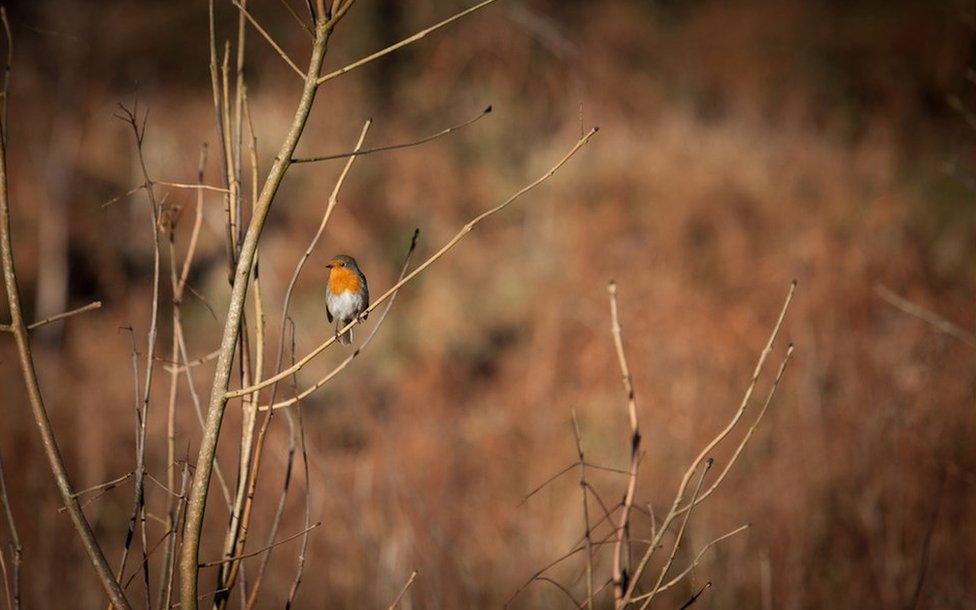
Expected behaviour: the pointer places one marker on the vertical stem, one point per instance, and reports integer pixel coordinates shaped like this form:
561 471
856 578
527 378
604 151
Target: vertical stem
178 283
198 493
621 550
26 361
587 540
16 549
236 536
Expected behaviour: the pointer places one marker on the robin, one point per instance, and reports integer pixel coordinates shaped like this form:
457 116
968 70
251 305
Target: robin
346 295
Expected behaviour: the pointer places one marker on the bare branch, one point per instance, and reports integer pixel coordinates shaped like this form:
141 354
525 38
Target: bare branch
107 485
178 185
142 408
169 567
298 19
937 322
621 551
177 284
6 73
64 315
300 430
586 512
577 549
749 433
179 368
26 362
218 562
271 41
406 41
367 151
694 598
678 538
242 272
13 585
563 471
403 591
694 562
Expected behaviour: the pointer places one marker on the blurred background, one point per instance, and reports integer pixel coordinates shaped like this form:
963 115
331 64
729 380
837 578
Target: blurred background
742 144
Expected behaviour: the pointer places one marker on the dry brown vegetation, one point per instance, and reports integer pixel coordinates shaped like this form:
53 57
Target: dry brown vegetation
741 145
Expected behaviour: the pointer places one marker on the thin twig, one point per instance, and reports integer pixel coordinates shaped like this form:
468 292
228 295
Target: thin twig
275 521
222 138
576 549
138 492
677 541
177 284
403 591
64 315
563 471
198 410
210 564
749 432
13 586
6 73
298 19
55 318
937 322
101 486
146 557
271 41
197 186
170 567
376 149
299 429
179 368
179 185
927 544
406 41
694 598
7 589
143 409
562 589
586 511
694 562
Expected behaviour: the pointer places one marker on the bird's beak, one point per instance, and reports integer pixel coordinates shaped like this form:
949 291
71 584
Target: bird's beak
329 266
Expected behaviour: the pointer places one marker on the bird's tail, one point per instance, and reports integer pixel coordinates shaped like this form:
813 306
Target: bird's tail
346 337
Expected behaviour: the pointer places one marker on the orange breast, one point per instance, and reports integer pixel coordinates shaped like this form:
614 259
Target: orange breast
342 280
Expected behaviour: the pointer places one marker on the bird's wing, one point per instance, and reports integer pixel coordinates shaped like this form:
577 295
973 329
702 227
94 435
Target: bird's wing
365 295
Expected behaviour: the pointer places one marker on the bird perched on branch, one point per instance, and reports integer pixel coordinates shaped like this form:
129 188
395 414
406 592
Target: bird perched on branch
346 295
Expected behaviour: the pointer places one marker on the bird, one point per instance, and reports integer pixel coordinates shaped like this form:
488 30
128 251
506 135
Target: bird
346 294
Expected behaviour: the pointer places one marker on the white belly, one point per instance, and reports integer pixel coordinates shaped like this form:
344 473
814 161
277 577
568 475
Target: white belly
344 306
